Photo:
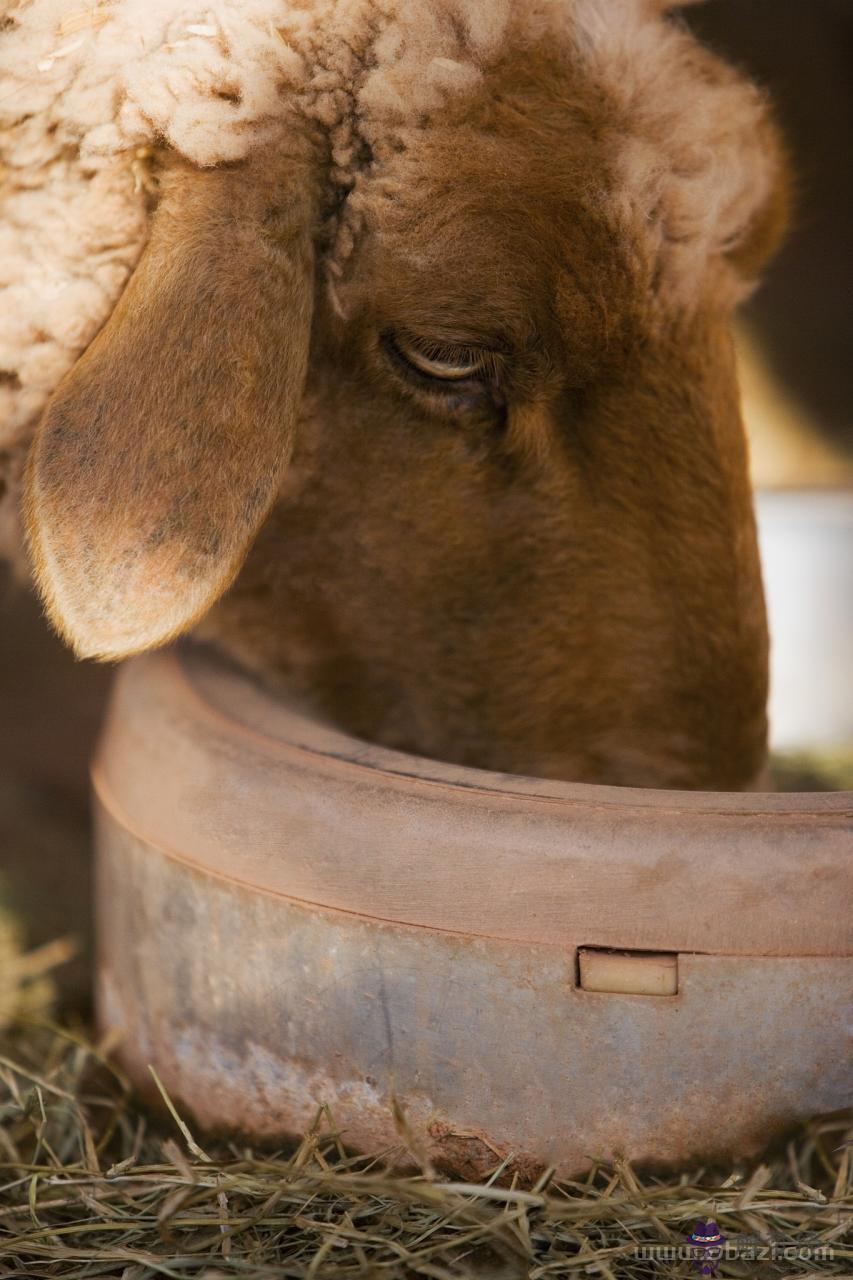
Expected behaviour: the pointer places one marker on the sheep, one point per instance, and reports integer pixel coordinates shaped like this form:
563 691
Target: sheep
384 344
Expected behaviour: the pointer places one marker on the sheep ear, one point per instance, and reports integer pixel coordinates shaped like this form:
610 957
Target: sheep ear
161 452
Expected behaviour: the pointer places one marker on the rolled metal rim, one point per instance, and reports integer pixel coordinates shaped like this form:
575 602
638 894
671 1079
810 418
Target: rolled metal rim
230 695
212 770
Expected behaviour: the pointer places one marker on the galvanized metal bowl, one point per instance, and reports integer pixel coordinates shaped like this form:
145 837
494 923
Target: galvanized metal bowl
290 917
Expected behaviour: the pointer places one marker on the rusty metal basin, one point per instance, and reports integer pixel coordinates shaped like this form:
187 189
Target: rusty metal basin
290 917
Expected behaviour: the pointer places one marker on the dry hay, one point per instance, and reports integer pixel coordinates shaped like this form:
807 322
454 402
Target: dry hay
92 1185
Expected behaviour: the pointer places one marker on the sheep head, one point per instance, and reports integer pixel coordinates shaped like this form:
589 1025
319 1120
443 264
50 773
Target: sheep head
459 429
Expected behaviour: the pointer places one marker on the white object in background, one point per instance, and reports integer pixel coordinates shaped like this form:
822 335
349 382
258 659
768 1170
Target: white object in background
806 539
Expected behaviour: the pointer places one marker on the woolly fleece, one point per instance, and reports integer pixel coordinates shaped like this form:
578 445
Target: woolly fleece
86 94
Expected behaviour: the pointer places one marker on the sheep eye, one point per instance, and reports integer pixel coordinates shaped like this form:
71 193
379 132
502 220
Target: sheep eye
437 361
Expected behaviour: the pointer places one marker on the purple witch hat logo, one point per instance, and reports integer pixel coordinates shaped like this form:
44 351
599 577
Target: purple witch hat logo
707 1241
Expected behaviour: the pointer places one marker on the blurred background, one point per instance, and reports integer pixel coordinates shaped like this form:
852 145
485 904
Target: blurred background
797 332
796 347
795 340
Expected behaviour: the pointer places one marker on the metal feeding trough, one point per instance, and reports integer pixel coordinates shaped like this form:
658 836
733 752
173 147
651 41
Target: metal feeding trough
290 917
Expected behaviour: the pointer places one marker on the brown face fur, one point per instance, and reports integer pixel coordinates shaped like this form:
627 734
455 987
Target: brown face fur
555 574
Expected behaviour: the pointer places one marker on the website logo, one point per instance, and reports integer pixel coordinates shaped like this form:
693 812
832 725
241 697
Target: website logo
707 1241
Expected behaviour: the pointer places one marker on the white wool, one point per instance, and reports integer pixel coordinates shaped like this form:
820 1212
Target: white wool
694 159
86 92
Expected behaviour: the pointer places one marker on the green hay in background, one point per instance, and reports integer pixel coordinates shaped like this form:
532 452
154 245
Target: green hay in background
828 770
92 1185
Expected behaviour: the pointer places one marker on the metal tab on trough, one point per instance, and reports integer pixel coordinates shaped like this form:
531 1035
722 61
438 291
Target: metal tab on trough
635 973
